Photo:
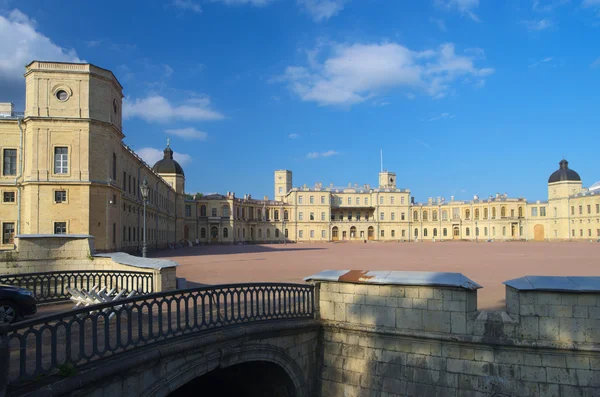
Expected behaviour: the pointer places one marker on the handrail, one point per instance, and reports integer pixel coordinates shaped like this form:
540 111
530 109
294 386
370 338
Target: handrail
50 287
41 346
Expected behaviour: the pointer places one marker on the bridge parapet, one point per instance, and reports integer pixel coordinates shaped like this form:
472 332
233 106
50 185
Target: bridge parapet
418 333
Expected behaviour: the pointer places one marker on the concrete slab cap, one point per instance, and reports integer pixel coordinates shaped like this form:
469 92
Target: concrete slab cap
552 283
396 278
130 260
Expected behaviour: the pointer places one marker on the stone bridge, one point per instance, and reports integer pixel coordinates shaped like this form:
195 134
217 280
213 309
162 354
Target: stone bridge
347 333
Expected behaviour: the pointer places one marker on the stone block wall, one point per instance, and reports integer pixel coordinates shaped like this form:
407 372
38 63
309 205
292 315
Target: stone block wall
398 340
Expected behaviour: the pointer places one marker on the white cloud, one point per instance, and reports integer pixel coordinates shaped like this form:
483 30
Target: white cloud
158 108
187 5
354 73
547 6
22 43
439 23
410 95
322 9
596 63
424 144
590 3
293 136
539 25
167 70
442 116
316 155
464 7
151 155
541 61
188 133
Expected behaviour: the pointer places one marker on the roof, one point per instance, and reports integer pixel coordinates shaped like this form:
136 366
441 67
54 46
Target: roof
396 278
551 283
167 165
564 173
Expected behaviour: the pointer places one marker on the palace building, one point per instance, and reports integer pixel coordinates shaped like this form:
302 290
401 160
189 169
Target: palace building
66 170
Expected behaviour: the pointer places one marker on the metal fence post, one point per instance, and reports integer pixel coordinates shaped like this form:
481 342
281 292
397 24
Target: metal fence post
4 359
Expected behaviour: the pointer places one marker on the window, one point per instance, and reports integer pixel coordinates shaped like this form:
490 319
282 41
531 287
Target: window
512 213
534 211
226 211
392 199
477 231
424 215
10 162
134 187
382 233
467 214
188 210
366 201
312 234
301 233
213 211
416 232
299 199
322 233
225 232
358 201
573 232
358 216
445 232
285 215
393 233
60 196
580 232
402 216
114 200
597 232
8 233
380 199
580 209
286 233
403 233
203 210
349 200
520 212
485 213
61 160
9 197
203 233
280 190
312 199
312 216
381 216
455 214
589 232
444 215
415 215
597 208
434 215
572 210
493 231
322 199
485 231
62 95
366 216
503 212
434 232
504 230
322 216
425 232
114 233
589 209
467 232
401 200
476 213
393 216
300 216
349 216
494 213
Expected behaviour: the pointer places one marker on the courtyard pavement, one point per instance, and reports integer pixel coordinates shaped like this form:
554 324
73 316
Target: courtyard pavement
488 264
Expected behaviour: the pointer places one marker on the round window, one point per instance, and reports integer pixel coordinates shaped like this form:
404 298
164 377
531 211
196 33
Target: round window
62 95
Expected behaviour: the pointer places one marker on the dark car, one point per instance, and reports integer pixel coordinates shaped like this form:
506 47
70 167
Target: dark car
15 302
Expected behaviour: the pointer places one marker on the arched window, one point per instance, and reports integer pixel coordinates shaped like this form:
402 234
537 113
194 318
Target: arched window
476 213
504 230
485 231
225 232
203 210
467 214
434 232
467 232
276 215
493 231
416 215
286 216
444 215
425 232
503 212
203 233
259 233
494 213
424 215
520 212
445 232
286 233
485 213
268 233
434 215
276 232
416 232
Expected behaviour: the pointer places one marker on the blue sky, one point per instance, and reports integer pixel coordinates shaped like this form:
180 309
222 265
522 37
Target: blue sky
464 97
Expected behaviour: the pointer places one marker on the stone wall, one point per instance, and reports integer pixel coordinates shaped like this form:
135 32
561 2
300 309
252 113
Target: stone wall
49 253
406 340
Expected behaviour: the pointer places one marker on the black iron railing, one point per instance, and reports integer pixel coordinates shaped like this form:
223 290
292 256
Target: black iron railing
50 287
71 339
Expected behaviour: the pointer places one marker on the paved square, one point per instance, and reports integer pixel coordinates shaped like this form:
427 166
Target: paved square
489 264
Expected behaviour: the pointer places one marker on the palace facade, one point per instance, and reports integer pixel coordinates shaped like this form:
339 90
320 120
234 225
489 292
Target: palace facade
66 170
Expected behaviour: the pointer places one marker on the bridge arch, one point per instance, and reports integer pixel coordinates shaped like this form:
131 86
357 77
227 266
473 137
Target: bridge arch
191 370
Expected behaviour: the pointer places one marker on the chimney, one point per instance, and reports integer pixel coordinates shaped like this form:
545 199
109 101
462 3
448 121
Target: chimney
6 109
429 200
266 198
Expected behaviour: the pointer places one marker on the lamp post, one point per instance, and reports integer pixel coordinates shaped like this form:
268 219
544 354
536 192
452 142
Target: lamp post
144 189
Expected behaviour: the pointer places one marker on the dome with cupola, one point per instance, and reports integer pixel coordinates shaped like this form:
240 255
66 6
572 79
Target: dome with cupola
167 165
564 173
